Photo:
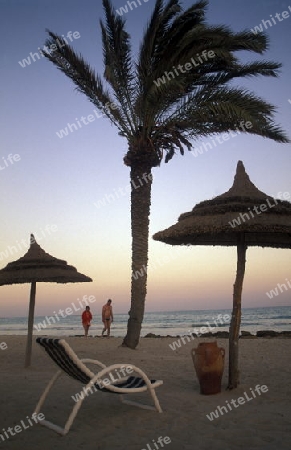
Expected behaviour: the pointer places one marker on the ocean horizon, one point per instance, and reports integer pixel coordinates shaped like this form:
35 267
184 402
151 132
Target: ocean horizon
163 323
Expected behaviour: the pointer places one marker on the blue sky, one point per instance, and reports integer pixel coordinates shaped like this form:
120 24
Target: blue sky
55 183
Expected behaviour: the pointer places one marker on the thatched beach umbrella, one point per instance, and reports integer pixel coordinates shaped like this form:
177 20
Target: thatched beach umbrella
242 216
37 265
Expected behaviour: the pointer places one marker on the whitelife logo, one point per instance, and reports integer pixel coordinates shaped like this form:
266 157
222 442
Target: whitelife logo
24 243
71 127
258 209
36 56
3 346
159 444
265 24
103 383
197 332
274 292
124 9
49 320
9 160
12 431
240 400
176 71
220 139
121 192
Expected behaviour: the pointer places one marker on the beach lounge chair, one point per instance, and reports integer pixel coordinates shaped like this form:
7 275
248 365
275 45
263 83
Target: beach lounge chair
69 363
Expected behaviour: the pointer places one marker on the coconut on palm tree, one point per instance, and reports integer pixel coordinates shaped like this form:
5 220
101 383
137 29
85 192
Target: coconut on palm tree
177 89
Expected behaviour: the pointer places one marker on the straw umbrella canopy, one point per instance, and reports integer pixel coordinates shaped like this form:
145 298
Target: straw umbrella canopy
243 216
37 265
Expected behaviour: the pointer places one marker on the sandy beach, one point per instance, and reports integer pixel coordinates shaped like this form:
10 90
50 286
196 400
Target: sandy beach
103 422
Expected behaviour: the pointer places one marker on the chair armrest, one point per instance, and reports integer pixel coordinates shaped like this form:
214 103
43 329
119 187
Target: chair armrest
98 378
93 361
109 369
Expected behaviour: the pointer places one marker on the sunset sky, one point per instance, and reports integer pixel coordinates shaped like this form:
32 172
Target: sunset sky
72 192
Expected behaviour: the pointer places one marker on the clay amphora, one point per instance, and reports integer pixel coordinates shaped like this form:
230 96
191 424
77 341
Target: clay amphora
208 361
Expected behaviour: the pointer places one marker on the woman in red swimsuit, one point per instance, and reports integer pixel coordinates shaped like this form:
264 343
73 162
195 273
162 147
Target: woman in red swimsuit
86 320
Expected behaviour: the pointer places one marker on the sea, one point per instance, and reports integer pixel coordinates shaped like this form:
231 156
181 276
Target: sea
164 323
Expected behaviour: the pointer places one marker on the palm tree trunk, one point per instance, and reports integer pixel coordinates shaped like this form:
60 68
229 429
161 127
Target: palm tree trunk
141 183
233 374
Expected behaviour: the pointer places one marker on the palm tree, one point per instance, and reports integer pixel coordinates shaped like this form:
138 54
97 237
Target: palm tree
160 105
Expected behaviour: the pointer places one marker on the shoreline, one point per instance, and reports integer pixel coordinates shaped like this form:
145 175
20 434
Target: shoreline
285 334
225 335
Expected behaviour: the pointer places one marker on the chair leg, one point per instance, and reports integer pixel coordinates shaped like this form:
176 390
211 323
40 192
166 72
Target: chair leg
74 412
69 423
78 405
156 401
141 405
46 391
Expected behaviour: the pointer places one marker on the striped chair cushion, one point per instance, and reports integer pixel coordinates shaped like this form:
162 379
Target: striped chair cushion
62 354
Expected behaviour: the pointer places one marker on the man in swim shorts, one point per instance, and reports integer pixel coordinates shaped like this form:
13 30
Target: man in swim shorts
107 317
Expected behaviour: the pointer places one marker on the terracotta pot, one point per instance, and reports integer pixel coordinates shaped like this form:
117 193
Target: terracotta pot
208 361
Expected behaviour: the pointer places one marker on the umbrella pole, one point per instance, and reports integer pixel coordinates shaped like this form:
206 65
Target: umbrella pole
30 325
233 374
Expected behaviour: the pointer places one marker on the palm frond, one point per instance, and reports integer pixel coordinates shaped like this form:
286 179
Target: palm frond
84 77
161 108
154 33
225 109
119 70
215 71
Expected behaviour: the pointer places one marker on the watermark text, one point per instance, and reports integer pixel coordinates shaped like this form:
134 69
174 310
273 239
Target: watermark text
220 139
124 9
123 191
184 68
3 346
102 383
258 209
159 443
247 397
9 160
197 332
32 57
71 127
24 424
24 243
265 24
63 313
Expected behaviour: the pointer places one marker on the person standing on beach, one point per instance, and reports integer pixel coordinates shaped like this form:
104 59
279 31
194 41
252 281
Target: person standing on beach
107 317
86 320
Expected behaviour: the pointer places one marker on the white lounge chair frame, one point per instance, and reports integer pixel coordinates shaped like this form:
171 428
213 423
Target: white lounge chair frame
63 355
